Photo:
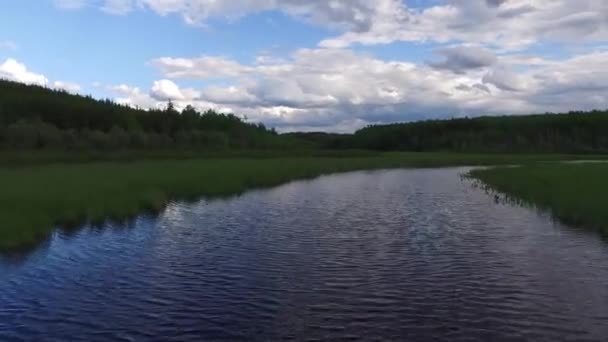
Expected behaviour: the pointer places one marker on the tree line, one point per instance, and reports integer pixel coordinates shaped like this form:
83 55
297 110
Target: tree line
573 132
34 117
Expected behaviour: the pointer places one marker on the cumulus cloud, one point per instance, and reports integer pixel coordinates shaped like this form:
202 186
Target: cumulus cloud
495 3
133 96
504 79
509 25
15 71
70 87
166 90
342 14
201 68
18 72
462 58
160 94
577 83
337 89
475 87
230 95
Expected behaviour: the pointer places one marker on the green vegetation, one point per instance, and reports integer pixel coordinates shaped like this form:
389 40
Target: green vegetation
575 132
41 157
34 118
574 193
34 198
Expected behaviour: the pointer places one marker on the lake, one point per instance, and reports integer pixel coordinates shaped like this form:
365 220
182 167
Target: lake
415 254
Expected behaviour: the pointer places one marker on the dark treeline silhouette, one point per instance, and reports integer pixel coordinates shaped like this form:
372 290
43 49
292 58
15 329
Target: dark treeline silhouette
334 141
574 132
33 117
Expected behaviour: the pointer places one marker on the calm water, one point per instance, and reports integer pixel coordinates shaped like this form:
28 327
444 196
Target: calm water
386 255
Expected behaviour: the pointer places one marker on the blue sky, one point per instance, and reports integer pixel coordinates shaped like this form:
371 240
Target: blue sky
316 65
86 45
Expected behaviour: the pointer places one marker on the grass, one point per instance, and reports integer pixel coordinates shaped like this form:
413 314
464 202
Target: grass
573 193
35 197
37 157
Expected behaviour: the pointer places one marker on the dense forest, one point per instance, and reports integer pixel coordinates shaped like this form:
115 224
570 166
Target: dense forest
574 132
33 117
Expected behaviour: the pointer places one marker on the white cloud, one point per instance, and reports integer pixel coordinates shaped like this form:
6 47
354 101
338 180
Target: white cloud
133 96
340 14
338 88
15 71
70 87
165 90
504 79
229 95
459 59
201 68
161 92
577 83
510 24
18 72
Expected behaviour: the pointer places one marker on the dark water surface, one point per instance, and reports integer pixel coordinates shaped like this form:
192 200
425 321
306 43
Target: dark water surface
386 255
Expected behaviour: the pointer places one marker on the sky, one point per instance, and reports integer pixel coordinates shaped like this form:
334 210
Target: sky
316 65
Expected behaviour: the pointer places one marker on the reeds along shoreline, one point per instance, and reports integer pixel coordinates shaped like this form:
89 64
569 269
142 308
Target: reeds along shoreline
573 193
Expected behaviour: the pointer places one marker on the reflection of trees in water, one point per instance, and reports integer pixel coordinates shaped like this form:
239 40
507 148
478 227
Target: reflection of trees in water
19 255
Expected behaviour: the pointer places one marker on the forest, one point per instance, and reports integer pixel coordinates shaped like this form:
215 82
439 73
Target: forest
34 117
574 132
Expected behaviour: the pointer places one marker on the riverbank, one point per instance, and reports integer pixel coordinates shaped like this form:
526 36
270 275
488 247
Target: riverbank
36 198
573 193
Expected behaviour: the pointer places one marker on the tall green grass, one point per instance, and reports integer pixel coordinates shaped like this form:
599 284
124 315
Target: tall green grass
36 198
575 193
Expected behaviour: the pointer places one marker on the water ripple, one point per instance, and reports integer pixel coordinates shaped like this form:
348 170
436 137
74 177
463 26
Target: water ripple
384 255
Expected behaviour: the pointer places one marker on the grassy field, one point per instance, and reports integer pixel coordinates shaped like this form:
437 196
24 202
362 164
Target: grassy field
37 197
38 157
574 193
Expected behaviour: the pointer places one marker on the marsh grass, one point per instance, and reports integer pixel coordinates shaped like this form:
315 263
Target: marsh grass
34 198
576 194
